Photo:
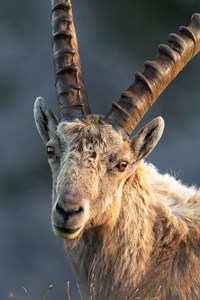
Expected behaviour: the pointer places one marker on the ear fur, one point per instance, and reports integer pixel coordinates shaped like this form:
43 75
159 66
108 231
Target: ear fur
144 142
45 120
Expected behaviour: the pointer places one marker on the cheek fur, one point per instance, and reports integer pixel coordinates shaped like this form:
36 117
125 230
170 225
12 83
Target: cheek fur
105 208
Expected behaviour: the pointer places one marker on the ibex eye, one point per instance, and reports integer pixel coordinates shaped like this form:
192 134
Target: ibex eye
121 166
50 151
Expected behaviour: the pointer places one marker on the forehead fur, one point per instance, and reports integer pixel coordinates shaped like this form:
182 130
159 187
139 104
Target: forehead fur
90 134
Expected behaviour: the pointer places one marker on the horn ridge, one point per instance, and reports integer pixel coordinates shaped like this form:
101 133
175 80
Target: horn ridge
126 113
70 88
61 5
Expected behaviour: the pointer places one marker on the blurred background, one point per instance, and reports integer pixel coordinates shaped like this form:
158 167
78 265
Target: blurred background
115 38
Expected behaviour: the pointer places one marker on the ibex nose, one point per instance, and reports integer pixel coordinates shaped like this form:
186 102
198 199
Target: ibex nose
70 206
68 212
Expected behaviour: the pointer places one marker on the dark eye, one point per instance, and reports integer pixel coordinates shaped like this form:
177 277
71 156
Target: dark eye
121 166
50 151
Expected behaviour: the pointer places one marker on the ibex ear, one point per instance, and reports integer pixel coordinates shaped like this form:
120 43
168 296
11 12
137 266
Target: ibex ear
148 137
45 120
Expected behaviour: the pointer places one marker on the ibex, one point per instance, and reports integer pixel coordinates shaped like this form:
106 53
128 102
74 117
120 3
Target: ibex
129 231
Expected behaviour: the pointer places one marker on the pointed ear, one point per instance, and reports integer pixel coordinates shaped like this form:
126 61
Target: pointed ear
144 142
45 120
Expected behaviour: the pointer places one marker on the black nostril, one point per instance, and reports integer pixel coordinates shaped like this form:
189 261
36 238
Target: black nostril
69 212
60 209
80 210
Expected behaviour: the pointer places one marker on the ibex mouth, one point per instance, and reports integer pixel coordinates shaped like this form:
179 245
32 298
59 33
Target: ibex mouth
67 233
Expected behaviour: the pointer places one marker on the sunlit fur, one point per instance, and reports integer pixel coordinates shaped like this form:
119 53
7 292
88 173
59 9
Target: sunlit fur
141 233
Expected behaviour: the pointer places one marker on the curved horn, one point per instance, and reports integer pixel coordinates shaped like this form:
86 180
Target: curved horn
158 73
70 89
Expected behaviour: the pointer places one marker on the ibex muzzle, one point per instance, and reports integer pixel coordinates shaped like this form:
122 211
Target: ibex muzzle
69 215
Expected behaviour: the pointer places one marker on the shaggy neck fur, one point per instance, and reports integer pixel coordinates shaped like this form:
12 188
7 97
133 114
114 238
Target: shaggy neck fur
148 252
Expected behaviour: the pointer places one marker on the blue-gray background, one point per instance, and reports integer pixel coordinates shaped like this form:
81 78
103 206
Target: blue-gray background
115 37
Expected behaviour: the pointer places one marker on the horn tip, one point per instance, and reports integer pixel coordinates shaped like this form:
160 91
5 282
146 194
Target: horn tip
196 19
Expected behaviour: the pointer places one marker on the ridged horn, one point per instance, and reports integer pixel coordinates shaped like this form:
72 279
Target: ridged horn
70 89
158 73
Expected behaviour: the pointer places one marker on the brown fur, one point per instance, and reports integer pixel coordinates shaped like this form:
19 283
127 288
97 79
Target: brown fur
149 254
141 234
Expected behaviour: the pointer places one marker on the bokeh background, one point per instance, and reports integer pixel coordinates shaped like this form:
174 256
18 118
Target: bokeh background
115 38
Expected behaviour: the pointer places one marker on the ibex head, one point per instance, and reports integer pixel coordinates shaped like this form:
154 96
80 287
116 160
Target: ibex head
91 157
90 162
